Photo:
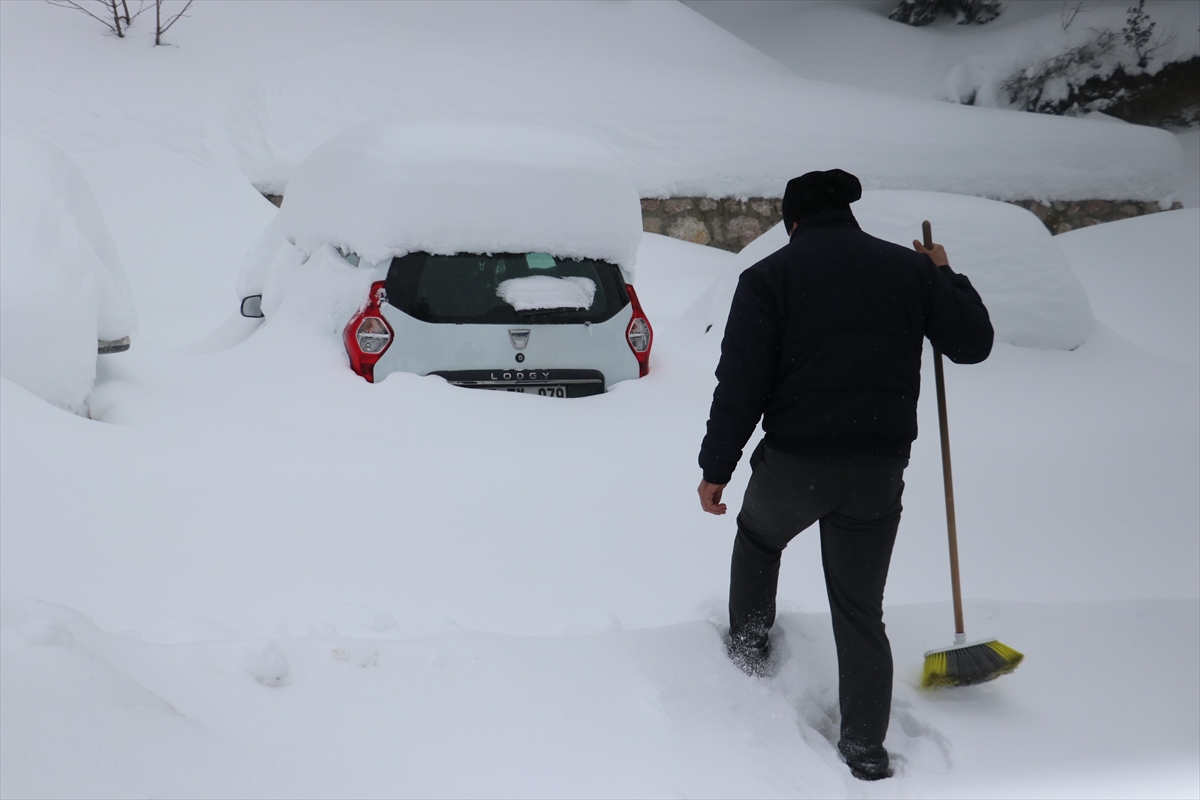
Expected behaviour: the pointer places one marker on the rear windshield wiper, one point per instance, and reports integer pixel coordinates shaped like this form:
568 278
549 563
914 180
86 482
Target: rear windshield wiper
536 312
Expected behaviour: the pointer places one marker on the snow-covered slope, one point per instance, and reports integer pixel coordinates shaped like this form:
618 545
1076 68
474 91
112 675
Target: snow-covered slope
692 109
852 42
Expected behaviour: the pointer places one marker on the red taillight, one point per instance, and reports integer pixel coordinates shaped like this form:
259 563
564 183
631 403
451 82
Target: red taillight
639 334
368 335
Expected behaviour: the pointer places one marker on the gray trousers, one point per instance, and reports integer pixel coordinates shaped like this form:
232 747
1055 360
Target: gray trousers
858 508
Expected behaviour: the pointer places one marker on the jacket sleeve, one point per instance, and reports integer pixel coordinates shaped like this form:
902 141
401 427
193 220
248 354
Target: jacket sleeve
957 322
745 376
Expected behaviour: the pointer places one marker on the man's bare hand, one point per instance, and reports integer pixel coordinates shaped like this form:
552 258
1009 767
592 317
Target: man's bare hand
938 253
710 497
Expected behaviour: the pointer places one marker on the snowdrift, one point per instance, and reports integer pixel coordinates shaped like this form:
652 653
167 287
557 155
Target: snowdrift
1143 278
1033 297
61 283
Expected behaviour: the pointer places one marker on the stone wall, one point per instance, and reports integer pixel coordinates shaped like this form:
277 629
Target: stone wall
732 224
729 224
1060 216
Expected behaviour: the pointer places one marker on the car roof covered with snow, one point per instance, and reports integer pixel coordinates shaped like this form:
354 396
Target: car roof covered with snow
390 187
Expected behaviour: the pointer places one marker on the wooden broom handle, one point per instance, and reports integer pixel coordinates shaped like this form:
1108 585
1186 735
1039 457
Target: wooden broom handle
947 477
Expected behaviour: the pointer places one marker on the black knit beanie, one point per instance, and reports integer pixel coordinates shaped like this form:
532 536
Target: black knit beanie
814 192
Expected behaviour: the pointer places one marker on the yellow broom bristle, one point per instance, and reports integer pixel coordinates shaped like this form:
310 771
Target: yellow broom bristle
935 670
969 664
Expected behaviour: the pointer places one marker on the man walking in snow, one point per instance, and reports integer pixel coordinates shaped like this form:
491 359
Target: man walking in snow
823 343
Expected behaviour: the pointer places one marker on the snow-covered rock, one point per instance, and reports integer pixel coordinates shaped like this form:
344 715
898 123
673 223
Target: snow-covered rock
61 283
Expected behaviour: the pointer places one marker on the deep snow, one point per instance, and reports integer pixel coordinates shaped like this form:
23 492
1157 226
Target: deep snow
649 713
302 584
233 496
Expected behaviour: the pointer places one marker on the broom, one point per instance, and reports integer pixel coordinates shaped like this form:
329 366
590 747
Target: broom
964 663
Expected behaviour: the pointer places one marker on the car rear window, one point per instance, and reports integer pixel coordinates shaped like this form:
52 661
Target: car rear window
468 288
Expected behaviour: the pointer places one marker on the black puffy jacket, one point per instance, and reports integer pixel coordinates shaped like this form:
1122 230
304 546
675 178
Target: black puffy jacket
824 344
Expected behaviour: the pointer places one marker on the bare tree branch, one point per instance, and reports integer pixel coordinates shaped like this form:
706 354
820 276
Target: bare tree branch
159 27
175 18
109 6
116 18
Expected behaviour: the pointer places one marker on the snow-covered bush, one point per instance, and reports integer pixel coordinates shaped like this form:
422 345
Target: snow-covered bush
1046 86
965 12
1033 296
1107 67
1137 63
61 284
388 188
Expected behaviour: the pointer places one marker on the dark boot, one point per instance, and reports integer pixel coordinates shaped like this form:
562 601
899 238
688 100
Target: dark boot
866 763
751 654
753 577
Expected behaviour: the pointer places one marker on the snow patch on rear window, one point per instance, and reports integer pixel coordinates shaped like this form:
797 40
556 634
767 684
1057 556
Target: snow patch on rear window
544 291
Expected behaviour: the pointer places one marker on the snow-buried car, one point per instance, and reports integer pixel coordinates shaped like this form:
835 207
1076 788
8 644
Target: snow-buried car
500 254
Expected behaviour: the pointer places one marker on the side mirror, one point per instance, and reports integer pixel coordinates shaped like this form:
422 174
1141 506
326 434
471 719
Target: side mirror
252 306
105 347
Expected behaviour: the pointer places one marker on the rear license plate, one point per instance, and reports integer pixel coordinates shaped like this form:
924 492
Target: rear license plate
549 390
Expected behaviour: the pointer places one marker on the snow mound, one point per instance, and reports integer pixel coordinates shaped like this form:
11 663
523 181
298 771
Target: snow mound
61 283
387 188
1143 278
340 619
1033 297
546 291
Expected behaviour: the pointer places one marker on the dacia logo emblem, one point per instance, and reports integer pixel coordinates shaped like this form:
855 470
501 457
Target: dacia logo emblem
519 338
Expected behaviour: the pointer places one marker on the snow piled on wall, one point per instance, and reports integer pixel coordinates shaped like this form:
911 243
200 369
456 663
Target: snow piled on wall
691 109
61 283
1032 295
390 187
